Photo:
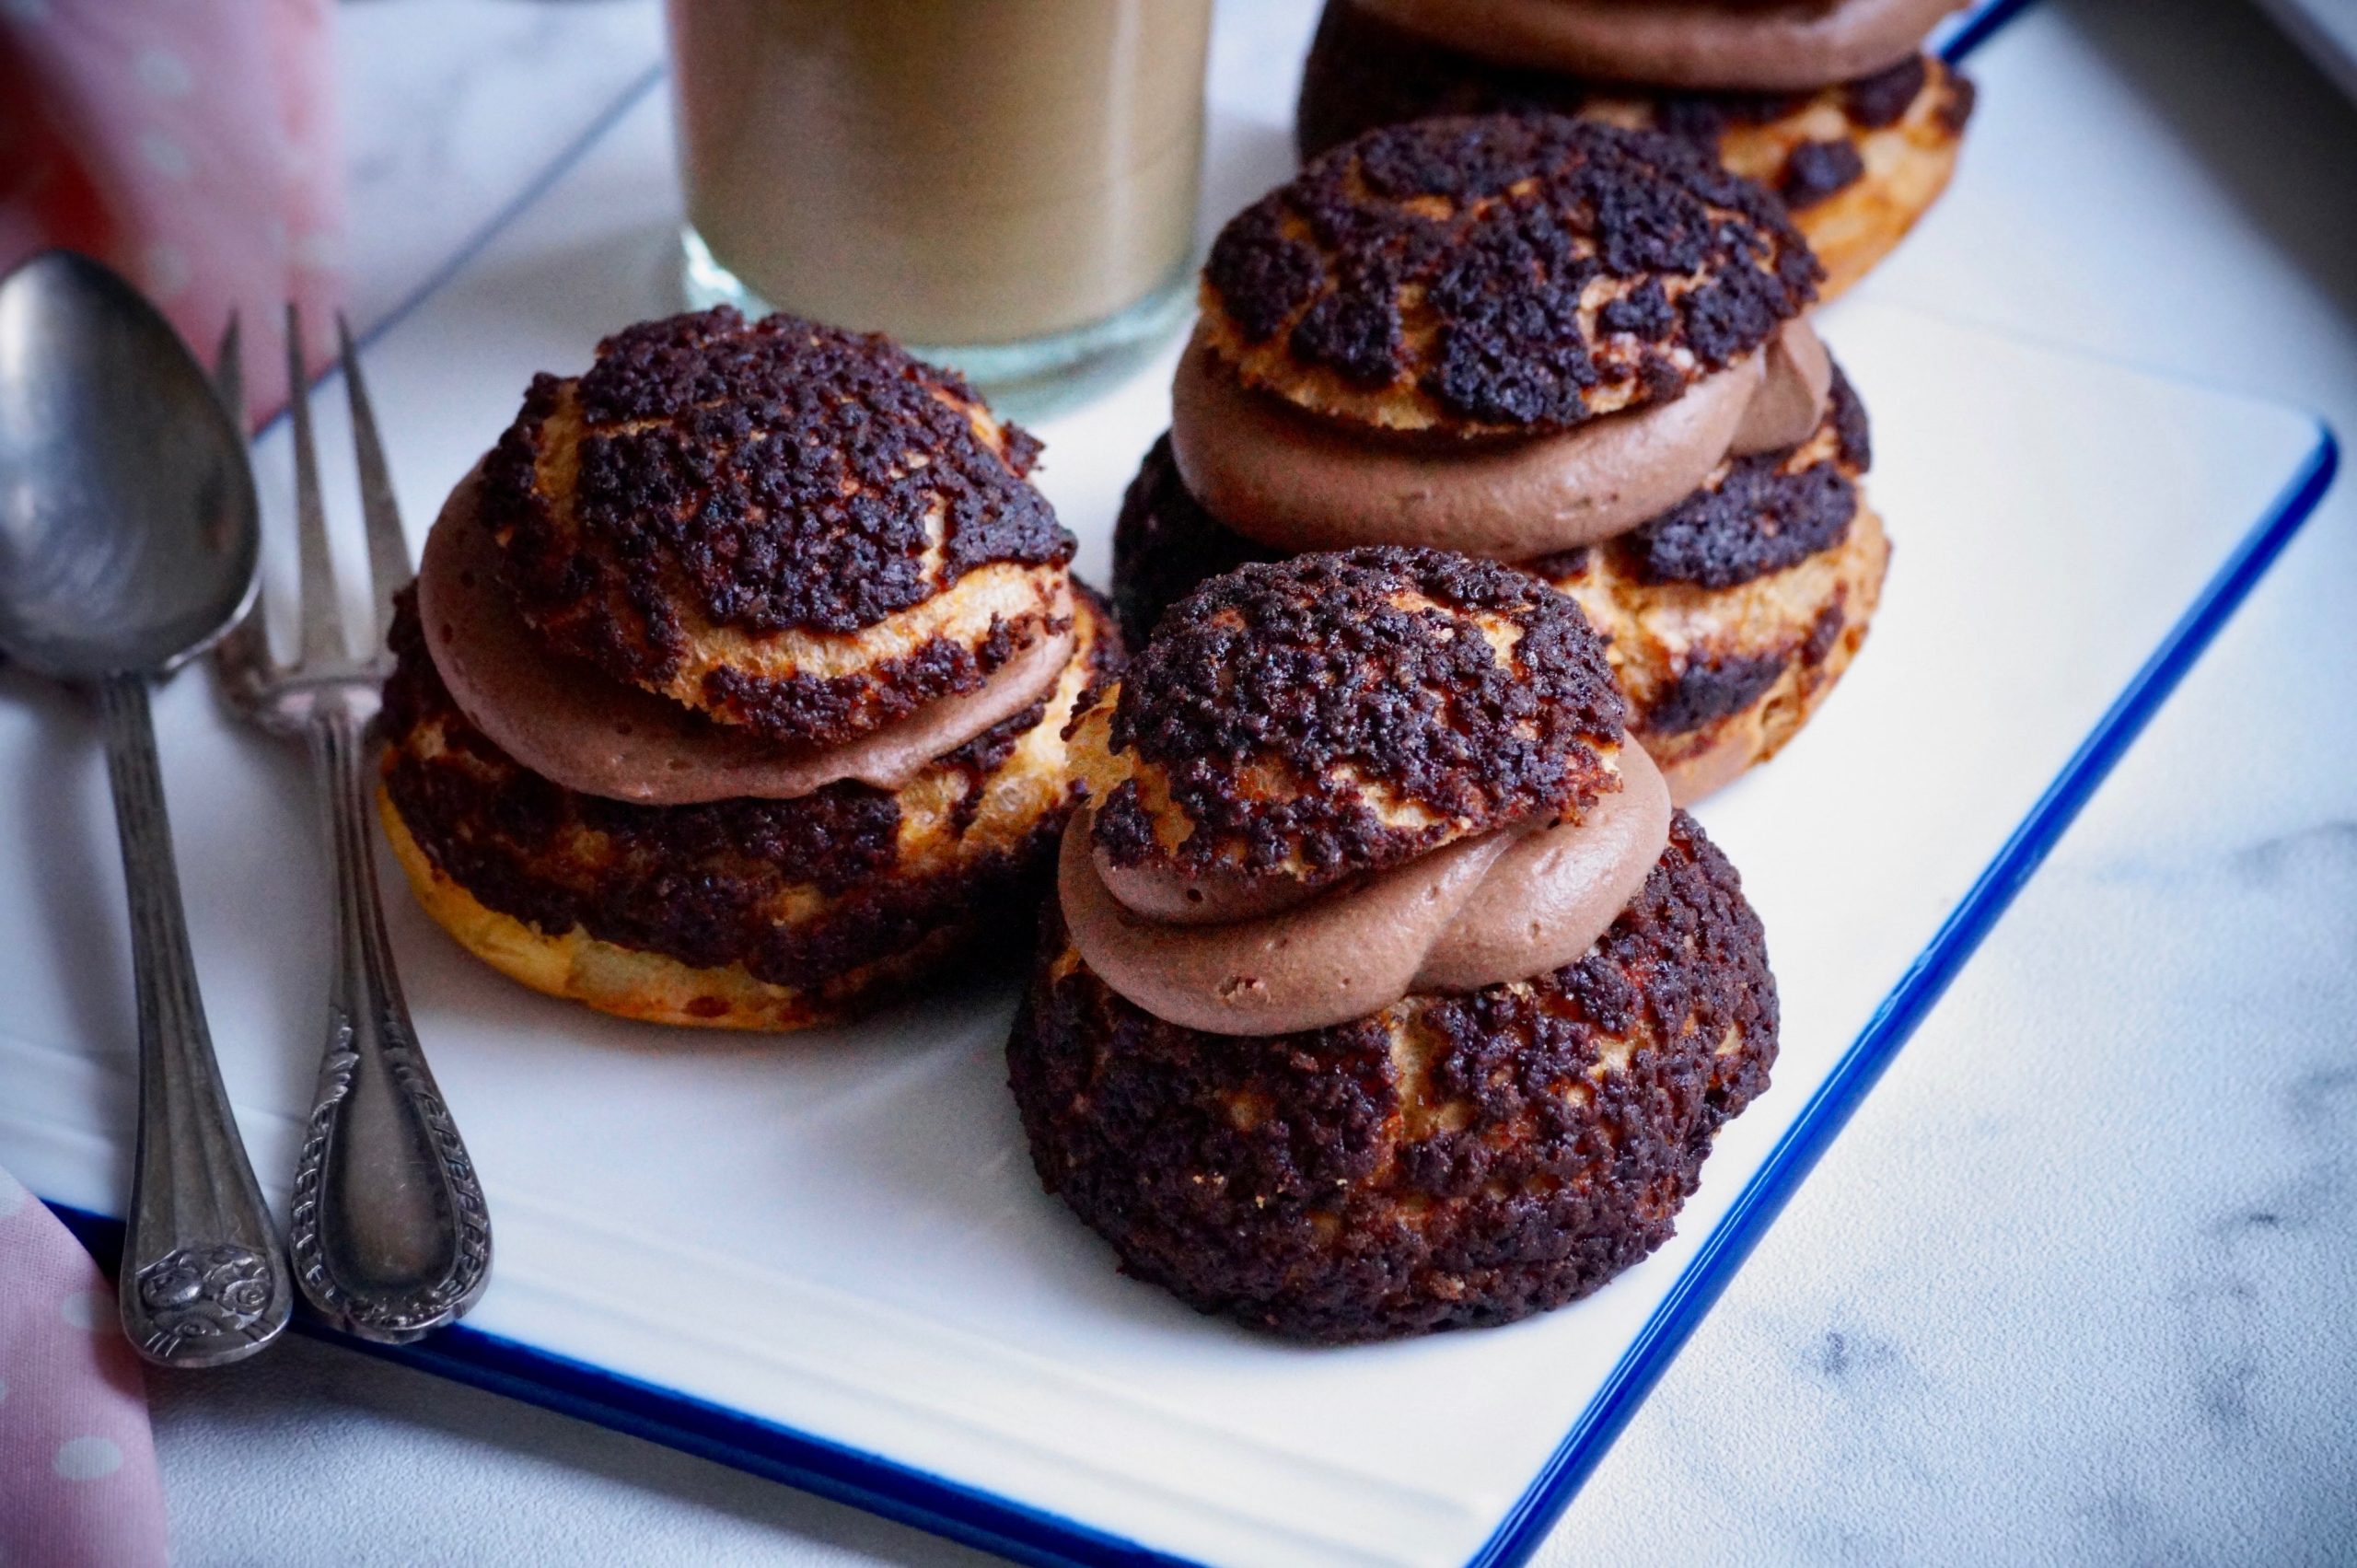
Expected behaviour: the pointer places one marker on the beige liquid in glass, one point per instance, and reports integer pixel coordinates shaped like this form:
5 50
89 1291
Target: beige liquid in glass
949 171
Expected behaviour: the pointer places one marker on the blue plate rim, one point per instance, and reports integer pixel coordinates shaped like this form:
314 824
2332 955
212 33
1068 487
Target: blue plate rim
1023 1533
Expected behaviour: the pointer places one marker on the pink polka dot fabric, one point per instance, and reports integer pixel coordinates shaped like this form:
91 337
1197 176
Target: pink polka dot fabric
78 1485
190 145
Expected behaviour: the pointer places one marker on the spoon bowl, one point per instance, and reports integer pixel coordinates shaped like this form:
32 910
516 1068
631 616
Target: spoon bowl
129 532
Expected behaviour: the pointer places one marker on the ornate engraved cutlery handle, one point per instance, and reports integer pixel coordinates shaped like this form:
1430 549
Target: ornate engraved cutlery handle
203 1281
390 1236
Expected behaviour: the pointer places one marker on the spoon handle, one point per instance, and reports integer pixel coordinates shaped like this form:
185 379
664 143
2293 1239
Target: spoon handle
203 1282
391 1234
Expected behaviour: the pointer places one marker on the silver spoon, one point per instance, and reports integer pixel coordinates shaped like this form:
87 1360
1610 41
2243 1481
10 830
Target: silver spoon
128 537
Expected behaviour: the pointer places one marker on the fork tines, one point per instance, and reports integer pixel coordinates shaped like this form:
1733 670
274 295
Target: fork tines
323 635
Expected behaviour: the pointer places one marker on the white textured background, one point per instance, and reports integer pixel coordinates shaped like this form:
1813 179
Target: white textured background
2077 1283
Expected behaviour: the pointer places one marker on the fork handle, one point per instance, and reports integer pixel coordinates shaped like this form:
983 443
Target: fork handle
390 1232
203 1281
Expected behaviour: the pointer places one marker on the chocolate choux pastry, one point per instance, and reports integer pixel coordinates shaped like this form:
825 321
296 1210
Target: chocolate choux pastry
733 684
1564 345
1833 103
1384 990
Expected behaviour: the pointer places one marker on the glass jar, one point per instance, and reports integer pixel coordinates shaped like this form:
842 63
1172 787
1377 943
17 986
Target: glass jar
1009 186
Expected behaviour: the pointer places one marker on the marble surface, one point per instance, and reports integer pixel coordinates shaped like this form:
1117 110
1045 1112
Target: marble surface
2073 1286
451 107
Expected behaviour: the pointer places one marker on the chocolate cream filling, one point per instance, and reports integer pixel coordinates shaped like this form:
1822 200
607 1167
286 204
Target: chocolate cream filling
575 725
1294 482
1756 45
1216 896
1501 907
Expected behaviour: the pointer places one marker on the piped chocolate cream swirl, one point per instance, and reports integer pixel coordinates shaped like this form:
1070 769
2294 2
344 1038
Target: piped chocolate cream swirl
1294 481
567 722
1481 913
1334 781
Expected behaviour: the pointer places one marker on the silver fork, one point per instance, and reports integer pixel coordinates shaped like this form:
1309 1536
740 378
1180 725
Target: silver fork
390 1233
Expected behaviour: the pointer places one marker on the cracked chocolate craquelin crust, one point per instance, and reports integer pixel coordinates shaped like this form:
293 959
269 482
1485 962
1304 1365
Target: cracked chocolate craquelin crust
782 525
1449 1162
1348 712
1507 273
1856 161
1728 620
749 914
